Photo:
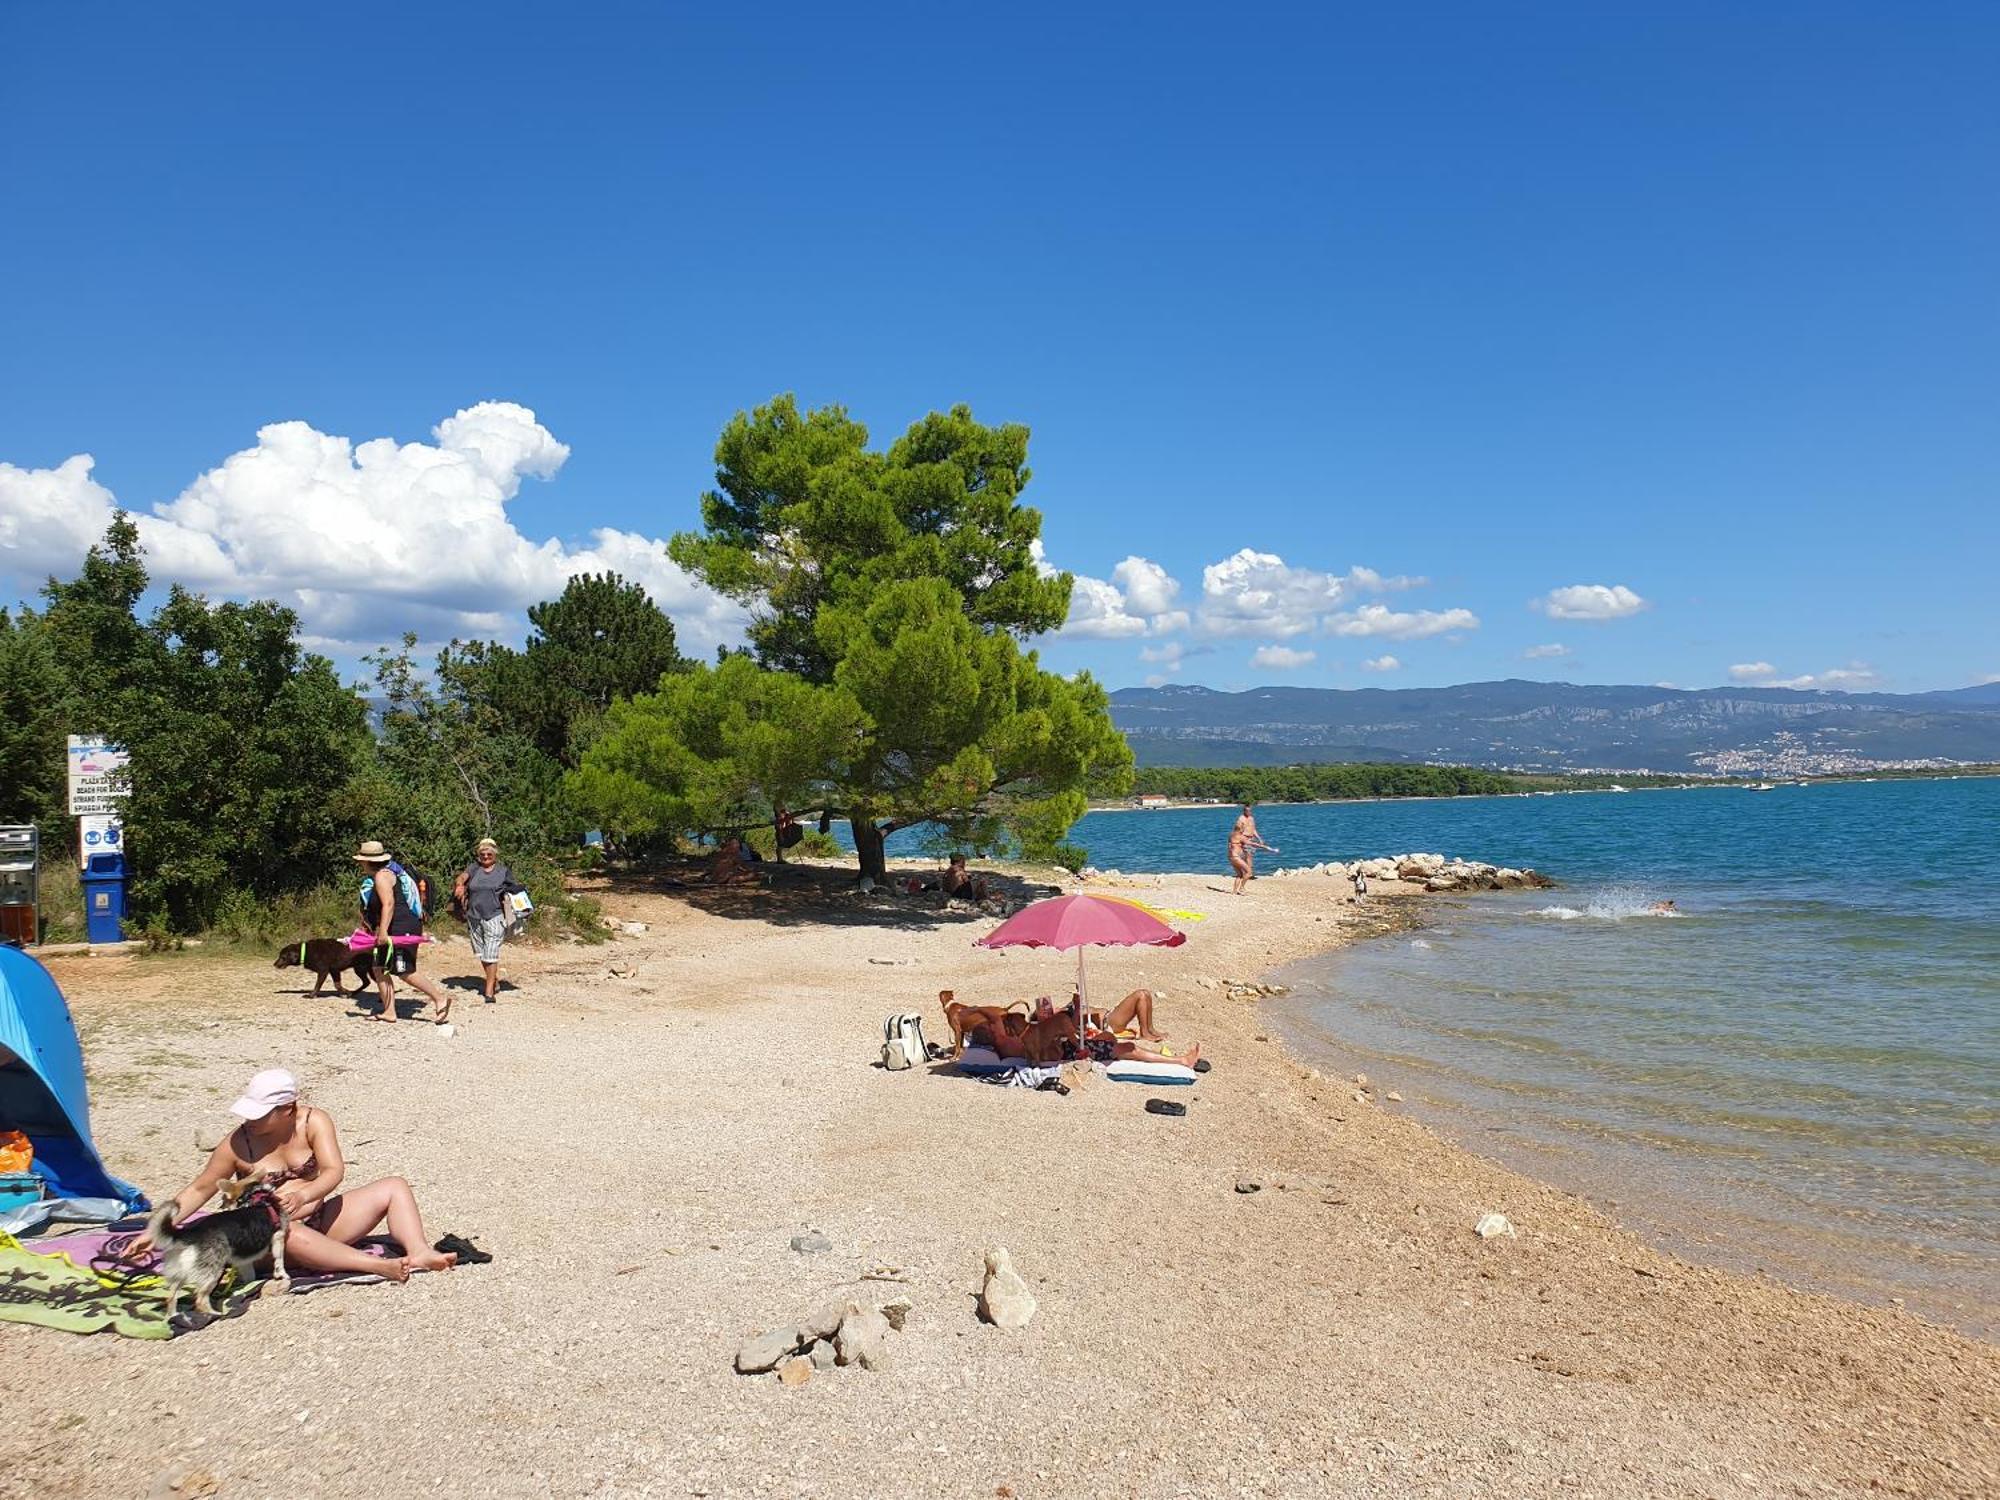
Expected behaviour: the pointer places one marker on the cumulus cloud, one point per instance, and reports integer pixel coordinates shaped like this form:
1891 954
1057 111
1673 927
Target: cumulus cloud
1401 625
1280 658
366 540
1545 653
1381 664
1590 601
1259 593
1138 599
1856 676
48 517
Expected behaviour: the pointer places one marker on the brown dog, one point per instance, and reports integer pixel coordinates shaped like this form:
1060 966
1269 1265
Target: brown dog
988 1025
1048 1039
326 956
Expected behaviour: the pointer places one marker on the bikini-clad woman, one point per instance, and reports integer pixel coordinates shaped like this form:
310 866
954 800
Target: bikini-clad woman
299 1144
1243 844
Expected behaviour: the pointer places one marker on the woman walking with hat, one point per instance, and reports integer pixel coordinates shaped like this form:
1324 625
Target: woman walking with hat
481 893
393 907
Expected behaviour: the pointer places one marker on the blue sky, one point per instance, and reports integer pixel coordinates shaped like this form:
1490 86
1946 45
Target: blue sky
1696 302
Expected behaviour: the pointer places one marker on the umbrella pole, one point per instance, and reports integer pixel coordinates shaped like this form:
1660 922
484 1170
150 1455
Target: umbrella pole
1080 1000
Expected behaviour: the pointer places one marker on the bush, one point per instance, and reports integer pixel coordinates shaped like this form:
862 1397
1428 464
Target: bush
1071 857
815 845
60 901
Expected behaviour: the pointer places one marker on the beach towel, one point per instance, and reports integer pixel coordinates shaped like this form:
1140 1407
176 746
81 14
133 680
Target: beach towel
80 1284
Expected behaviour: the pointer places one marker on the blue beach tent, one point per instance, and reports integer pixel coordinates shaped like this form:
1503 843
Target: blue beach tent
42 1091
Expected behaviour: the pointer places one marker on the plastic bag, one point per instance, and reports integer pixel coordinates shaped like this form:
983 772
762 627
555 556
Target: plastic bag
17 1152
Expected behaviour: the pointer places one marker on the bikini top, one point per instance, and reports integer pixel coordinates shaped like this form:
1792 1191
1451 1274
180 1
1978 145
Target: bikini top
305 1172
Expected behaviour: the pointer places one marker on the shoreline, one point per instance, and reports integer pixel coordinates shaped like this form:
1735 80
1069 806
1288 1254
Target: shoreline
1339 1331
1682 1220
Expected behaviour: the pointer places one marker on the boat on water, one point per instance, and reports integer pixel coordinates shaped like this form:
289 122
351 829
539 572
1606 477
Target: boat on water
1765 786
1617 788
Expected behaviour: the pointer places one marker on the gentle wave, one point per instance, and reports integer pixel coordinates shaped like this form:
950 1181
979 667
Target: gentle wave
1812 1063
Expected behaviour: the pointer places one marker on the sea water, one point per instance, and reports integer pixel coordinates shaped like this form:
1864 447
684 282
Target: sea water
1799 1070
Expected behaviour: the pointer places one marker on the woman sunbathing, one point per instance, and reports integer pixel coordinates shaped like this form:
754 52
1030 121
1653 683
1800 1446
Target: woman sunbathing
298 1146
1102 1044
1136 1007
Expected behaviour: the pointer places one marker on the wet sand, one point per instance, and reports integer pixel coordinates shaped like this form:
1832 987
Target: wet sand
637 1152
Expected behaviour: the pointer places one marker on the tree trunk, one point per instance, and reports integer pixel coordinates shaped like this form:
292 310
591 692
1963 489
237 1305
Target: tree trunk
868 846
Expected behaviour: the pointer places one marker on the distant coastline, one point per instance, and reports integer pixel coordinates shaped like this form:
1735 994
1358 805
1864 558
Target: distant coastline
1593 782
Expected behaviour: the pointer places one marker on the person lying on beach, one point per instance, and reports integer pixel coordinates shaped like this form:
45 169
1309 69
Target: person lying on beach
729 866
297 1143
1135 1010
1103 1047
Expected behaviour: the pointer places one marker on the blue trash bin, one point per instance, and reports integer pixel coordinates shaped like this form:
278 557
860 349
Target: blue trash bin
104 898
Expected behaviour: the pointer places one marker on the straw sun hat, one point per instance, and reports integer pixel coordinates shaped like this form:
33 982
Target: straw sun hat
372 853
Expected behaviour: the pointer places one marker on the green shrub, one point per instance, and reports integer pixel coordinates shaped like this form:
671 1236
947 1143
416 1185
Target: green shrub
1071 857
60 901
815 845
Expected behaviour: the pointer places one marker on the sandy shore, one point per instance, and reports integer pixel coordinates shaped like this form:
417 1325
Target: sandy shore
638 1151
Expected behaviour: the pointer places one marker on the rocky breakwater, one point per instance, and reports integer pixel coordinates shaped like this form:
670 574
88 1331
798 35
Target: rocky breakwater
1427 872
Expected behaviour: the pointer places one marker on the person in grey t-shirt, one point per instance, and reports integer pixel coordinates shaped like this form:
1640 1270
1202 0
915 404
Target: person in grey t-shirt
482 894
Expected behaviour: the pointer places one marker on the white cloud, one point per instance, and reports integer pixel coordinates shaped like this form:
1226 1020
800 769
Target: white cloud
1856 676
1382 664
49 517
366 540
1138 601
1259 593
1544 653
1280 658
1401 625
1590 601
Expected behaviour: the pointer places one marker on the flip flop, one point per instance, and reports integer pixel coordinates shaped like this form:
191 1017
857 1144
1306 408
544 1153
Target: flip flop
1165 1107
468 1253
1202 1065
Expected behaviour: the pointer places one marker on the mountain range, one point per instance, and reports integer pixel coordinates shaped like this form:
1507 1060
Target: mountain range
1560 726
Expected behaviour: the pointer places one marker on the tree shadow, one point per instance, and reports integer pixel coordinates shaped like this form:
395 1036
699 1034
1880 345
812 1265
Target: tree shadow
796 895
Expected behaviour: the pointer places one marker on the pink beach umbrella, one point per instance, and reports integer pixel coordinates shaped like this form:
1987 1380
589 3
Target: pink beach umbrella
1079 922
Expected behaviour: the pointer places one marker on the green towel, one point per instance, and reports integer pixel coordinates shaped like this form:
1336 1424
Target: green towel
53 1291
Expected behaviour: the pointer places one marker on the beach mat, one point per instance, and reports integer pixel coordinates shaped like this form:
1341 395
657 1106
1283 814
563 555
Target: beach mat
79 1284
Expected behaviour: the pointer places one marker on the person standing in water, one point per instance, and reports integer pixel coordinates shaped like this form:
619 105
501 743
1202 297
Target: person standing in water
1244 842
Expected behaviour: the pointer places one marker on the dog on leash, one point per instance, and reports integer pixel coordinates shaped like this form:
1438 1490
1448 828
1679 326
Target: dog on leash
326 956
990 1025
194 1256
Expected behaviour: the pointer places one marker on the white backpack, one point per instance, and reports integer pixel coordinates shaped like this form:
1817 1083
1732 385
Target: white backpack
903 1042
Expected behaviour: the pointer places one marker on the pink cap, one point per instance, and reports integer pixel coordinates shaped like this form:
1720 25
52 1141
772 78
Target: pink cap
268 1091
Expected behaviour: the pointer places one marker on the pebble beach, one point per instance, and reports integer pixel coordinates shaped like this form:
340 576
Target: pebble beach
1279 1293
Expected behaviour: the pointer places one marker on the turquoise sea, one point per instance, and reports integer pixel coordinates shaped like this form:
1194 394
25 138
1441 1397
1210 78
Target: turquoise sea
1800 1072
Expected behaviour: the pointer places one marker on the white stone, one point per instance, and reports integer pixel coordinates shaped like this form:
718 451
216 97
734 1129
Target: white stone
863 1339
1491 1226
1004 1300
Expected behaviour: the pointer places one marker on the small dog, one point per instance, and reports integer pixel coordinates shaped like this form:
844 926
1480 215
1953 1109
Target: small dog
326 956
989 1025
194 1256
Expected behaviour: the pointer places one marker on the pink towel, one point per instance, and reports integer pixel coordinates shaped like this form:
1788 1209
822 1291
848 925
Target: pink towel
361 939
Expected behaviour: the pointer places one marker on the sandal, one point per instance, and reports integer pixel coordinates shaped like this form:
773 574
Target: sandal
468 1253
